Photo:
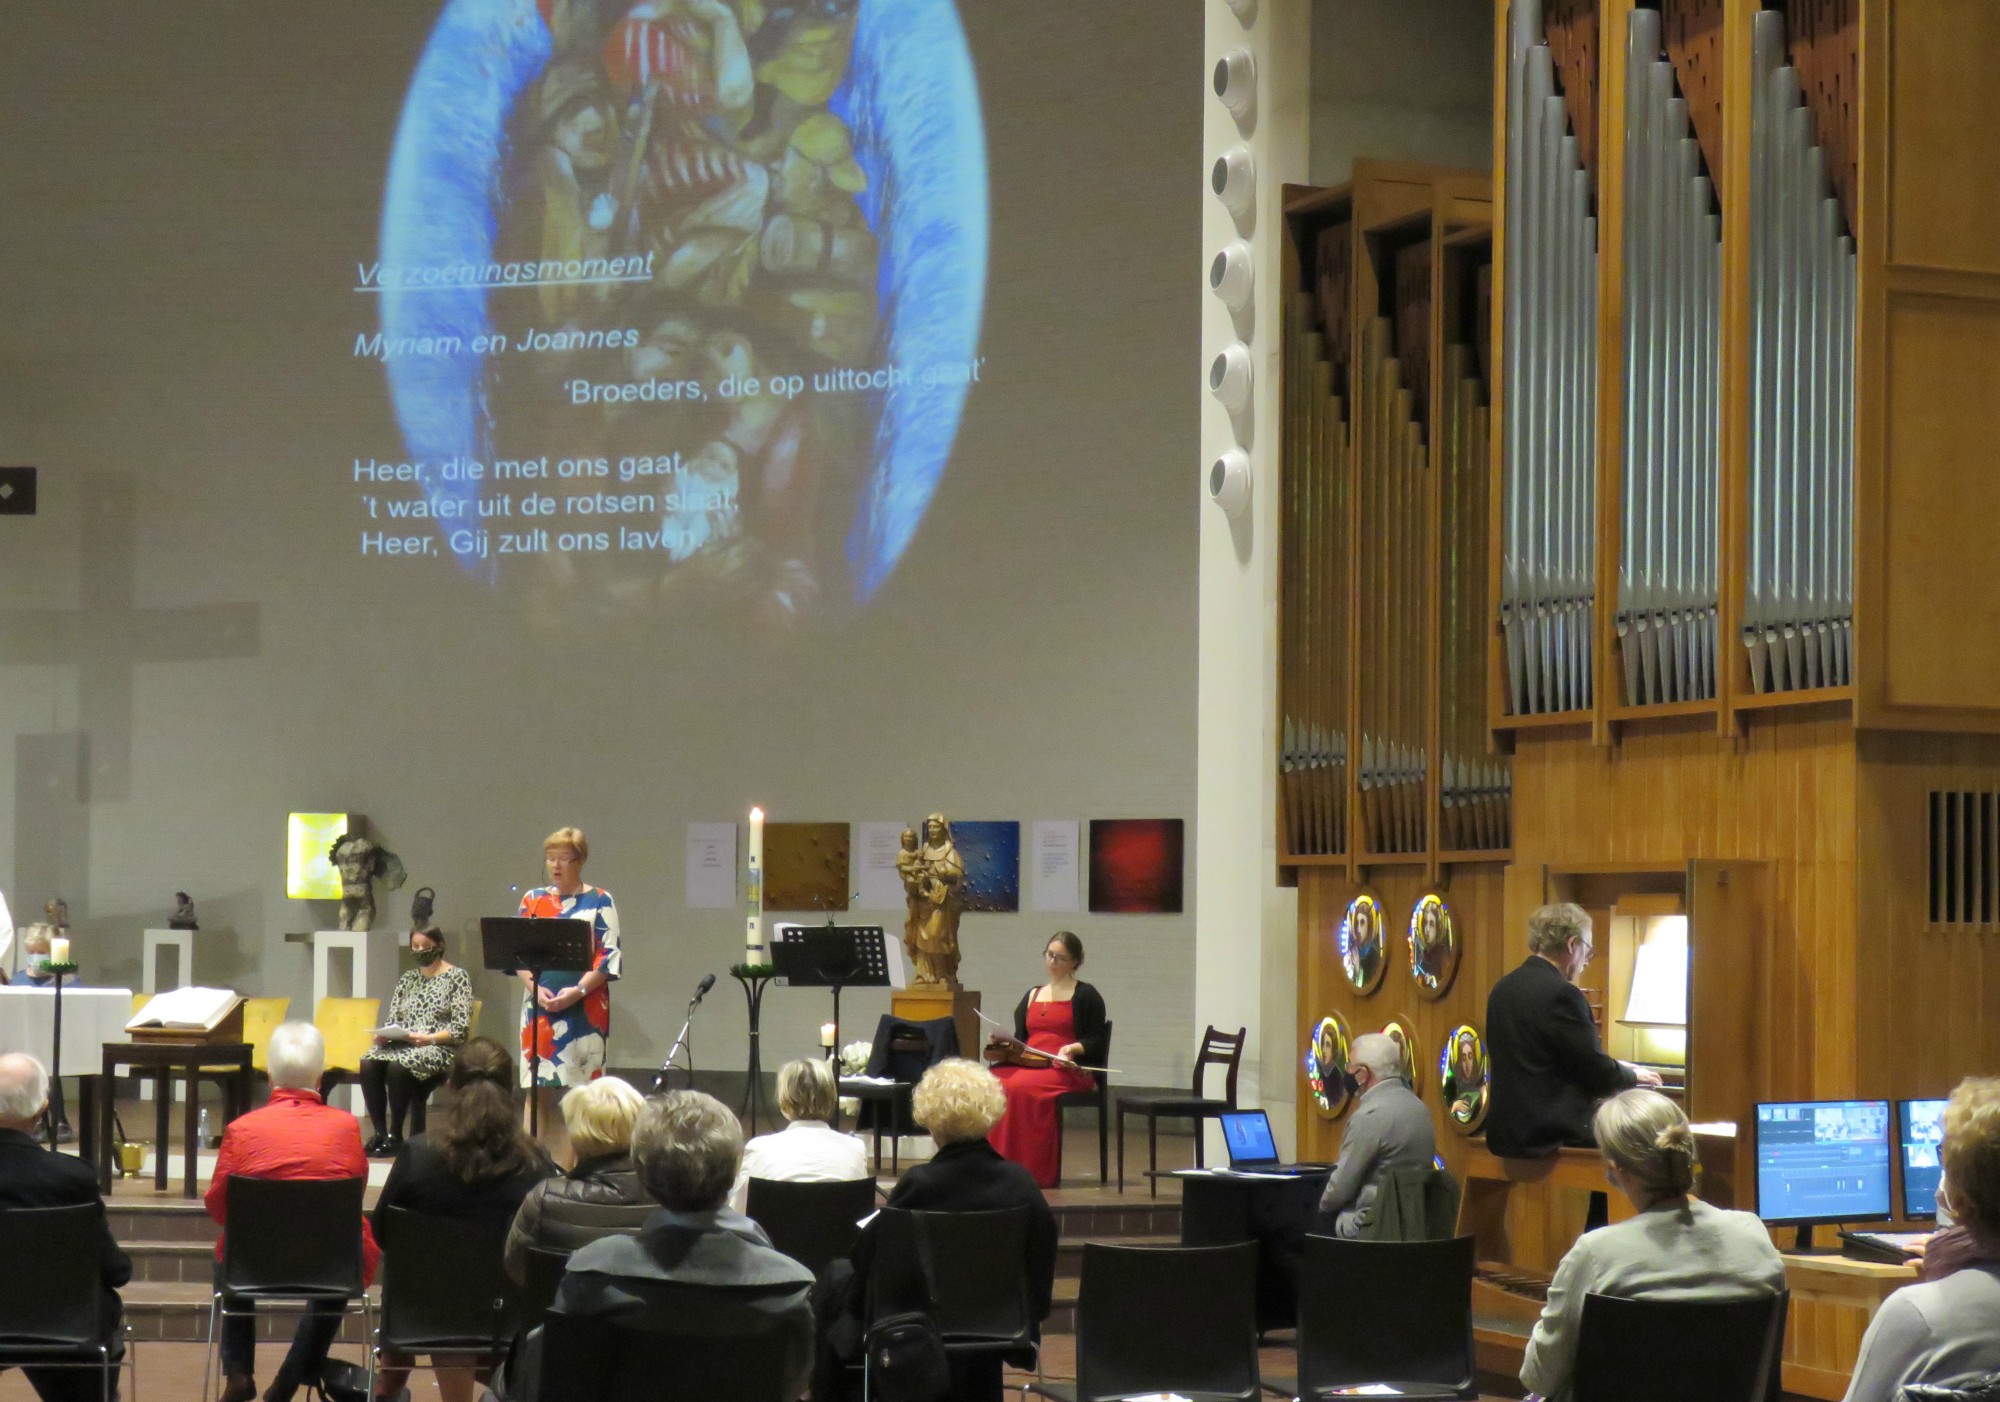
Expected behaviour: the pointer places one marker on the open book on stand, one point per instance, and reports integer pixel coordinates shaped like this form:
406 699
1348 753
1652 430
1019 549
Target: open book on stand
189 1015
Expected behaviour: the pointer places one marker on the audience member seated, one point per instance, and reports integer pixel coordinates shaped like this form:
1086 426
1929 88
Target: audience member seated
697 1270
1946 1331
31 1176
1954 1245
809 1149
295 1135
1677 1248
479 1165
1390 1130
957 1102
601 1195
433 1003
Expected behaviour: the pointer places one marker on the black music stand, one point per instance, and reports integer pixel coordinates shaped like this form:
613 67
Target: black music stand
831 956
511 943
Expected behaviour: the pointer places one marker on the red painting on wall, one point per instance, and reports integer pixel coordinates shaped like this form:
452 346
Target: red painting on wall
1137 866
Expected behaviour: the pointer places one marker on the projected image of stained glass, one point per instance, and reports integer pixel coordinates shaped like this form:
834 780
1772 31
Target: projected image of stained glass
681 299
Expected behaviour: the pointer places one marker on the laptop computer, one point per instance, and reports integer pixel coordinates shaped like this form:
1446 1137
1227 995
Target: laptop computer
1252 1149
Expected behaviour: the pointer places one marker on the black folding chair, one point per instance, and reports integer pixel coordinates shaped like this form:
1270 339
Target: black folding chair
444 1288
1099 1095
1638 1350
291 1241
1394 1312
968 1272
51 1293
537 1292
1178 1319
597 1360
813 1223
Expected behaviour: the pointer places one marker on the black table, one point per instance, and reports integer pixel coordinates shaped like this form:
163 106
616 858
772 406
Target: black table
193 1061
1219 1208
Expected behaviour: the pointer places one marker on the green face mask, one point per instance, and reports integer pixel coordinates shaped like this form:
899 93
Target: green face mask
427 957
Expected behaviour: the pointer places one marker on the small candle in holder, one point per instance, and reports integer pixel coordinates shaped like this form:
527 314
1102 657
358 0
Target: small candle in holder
58 950
826 1032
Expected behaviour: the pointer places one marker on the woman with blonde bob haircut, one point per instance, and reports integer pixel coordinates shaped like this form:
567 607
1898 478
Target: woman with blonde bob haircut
601 1194
1942 1332
809 1149
564 1040
1677 1247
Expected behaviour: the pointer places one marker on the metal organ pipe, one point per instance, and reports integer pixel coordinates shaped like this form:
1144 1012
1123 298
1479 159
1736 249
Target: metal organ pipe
1798 605
1548 536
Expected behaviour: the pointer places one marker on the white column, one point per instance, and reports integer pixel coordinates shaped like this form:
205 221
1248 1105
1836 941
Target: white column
1244 923
156 941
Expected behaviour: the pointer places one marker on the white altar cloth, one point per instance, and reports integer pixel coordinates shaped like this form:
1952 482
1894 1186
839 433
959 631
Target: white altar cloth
91 1017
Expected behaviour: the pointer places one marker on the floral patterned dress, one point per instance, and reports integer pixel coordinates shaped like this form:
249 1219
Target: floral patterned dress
573 1041
439 1003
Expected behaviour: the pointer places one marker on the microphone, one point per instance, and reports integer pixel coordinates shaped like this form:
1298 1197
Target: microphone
701 989
681 1042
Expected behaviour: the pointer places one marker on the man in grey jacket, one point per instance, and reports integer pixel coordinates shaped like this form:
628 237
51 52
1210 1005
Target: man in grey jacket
1390 1129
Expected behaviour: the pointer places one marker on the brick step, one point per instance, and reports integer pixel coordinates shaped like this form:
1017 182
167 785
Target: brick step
166 1262
160 1221
177 1312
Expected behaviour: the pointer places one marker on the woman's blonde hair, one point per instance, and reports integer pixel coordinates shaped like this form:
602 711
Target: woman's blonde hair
1647 1139
569 837
599 1117
806 1090
958 1100
1972 1152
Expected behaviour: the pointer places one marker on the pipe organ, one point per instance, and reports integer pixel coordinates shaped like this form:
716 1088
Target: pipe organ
1549 423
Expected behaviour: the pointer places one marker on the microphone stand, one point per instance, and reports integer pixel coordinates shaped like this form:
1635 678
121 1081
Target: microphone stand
680 1045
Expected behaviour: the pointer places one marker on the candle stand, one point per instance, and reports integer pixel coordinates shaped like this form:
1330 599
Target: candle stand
754 978
56 1118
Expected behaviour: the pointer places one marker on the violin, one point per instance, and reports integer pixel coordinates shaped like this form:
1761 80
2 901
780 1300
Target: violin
1007 1051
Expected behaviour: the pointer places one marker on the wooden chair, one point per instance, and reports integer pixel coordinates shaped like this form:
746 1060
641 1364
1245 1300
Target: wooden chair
346 1024
1217 1048
1100 1096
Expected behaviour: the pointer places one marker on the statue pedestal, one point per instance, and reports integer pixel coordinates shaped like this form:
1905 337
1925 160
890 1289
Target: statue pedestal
928 1003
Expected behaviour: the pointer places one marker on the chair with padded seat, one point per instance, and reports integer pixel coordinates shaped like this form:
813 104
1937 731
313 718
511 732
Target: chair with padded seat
1394 1313
1099 1095
291 1241
1177 1320
348 1027
444 1288
52 1316
813 1223
1218 1048
1738 1361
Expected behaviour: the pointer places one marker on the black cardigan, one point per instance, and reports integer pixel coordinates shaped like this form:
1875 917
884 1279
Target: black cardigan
1087 1007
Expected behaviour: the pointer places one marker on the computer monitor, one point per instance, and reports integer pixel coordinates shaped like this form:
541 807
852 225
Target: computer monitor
1920 1130
1822 1161
1247 1133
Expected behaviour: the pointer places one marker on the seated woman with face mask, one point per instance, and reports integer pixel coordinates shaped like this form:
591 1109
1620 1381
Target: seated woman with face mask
433 1003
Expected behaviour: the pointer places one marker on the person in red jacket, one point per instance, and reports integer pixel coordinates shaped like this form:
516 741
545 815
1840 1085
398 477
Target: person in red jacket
297 1135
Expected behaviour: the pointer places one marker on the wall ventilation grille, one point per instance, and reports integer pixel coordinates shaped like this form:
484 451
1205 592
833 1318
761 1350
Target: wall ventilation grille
1965 857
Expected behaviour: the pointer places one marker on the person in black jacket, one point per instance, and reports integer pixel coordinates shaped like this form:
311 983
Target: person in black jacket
958 1102
1549 1071
31 1176
477 1164
1063 1020
602 1194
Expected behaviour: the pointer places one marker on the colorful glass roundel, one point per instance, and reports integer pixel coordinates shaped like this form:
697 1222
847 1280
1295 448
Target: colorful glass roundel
1464 1074
1433 941
1326 1067
1364 954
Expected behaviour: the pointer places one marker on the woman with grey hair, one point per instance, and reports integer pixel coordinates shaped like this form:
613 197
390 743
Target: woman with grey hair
808 1149
1677 1247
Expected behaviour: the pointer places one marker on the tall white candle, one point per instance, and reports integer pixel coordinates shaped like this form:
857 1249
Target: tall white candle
753 938
58 950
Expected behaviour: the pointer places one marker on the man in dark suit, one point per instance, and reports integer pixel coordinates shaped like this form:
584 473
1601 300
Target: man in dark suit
696 1271
31 1176
1549 1070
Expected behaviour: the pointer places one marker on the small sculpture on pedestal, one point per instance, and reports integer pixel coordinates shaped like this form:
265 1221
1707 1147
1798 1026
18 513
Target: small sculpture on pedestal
183 916
423 907
933 878
359 862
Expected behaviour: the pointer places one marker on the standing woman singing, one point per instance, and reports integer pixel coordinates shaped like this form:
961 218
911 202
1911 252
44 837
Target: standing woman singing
576 1003
1063 1018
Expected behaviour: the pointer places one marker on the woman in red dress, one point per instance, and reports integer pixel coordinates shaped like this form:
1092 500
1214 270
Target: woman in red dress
1064 1018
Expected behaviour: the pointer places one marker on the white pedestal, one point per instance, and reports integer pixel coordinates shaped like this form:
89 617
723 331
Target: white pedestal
327 946
181 941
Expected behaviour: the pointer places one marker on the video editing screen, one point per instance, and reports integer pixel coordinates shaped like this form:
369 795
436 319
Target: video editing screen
1921 1129
1823 1161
